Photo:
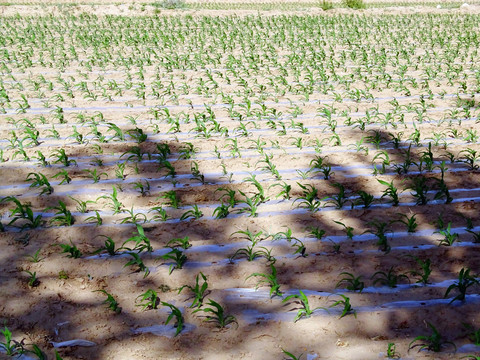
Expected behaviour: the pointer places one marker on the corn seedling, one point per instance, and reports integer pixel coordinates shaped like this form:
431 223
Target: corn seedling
425 272
448 237
177 256
92 174
108 246
39 180
351 282
149 299
391 192
392 351
470 158
229 194
134 218
23 212
175 312
32 279
63 216
473 334
195 213
160 214
115 204
172 198
289 354
347 307
338 200
270 279
218 314
302 300
409 222
62 158
141 241
35 258
180 242
136 261
95 219
389 278
380 229
364 199
111 303
63 174
71 249
309 197
285 190
347 229
251 204
221 211
10 346
433 342
82 205
199 291
465 280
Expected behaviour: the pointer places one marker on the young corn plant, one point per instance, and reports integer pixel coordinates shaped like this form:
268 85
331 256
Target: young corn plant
289 354
347 229
340 199
251 204
182 243
71 249
32 279
62 158
409 221
473 334
199 291
23 212
309 198
148 300
221 211
94 175
63 216
108 246
172 199
63 174
115 204
448 237
380 229
177 256
433 342
424 273
270 279
347 307
389 278
39 180
195 213
111 302
140 240
82 205
364 199
136 261
218 316
175 312
390 192
9 345
420 187
465 280
285 190
160 214
302 300
351 282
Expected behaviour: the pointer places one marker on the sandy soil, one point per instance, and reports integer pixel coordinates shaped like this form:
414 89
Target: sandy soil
65 304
